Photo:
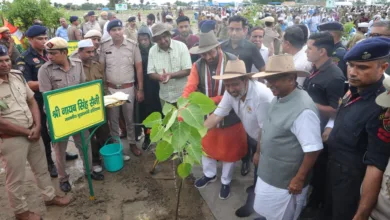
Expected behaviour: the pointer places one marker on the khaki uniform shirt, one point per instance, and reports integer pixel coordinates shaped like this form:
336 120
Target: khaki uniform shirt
382 209
74 33
15 92
51 76
102 22
270 37
91 26
15 52
131 33
119 62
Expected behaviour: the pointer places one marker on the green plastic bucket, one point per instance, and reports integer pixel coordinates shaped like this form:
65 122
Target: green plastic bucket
112 155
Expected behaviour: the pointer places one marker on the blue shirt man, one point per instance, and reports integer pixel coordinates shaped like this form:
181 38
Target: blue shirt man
62 31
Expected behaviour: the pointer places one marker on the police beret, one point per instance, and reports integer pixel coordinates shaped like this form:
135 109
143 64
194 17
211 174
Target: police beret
207 26
131 19
56 43
93 33
114 23
369 49
91 13
331 26
3 29
36 30
3 50
73 18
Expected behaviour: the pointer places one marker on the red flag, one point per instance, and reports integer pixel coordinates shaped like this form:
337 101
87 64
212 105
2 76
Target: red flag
12 28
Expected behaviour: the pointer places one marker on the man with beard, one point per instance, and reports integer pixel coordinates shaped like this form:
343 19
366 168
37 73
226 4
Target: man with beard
185 36
247 52
151 101
93 71
226 143
250 100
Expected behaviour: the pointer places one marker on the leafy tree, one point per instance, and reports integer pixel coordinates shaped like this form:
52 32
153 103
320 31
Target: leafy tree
68 6
23 12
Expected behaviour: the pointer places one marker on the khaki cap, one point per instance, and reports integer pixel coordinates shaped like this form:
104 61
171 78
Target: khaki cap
56 43
280 64
3 29
233 69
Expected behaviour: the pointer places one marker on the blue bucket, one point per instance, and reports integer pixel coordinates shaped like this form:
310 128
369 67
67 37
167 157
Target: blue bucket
112 155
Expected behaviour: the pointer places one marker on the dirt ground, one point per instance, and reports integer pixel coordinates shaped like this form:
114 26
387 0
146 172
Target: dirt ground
129 194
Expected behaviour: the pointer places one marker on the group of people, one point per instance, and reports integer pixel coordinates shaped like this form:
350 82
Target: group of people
306 111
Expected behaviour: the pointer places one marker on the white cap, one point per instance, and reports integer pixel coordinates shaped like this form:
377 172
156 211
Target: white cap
363 25
169 17
85 43
280 19
297 18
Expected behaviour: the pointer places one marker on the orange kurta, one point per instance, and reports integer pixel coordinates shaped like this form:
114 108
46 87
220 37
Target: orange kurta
225 144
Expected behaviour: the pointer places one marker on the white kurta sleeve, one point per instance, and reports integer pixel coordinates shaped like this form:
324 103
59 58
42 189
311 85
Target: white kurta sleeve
308 132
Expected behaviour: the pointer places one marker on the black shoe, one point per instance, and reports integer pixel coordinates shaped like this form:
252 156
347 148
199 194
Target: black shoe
225 192
52 170
70 156
260 218
245 168
146 144
97 176
247 209
65 186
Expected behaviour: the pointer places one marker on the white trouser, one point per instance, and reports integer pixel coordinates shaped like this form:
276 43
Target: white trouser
278 204
210 169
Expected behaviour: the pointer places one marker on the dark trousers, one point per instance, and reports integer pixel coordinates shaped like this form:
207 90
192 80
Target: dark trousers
318 182
99 138
343 191
252 146
45 133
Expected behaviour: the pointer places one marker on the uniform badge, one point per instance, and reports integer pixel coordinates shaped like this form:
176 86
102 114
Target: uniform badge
366 56
36 60
21 68
386 124
384 133
249 109
50 45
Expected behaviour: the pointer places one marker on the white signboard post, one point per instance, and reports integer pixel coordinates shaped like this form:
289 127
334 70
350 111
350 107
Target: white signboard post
120 7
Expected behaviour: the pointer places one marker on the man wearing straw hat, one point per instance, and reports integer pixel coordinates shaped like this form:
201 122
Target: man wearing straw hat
226 143
290 143
250 101
381 210
60 72
359 142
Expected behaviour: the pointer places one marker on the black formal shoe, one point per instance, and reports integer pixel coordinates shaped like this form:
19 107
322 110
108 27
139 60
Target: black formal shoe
65 186
70 156
52 170
247 209
245 168
97 176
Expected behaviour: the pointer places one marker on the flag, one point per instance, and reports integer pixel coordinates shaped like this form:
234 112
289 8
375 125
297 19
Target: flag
12 29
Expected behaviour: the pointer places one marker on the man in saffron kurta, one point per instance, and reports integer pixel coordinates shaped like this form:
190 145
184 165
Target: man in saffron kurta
227 142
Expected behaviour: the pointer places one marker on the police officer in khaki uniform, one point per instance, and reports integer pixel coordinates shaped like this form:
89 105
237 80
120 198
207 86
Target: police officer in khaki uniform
61 72
120 55
93 71
20 140
7 40
29 63
131 29
382 210
74 32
